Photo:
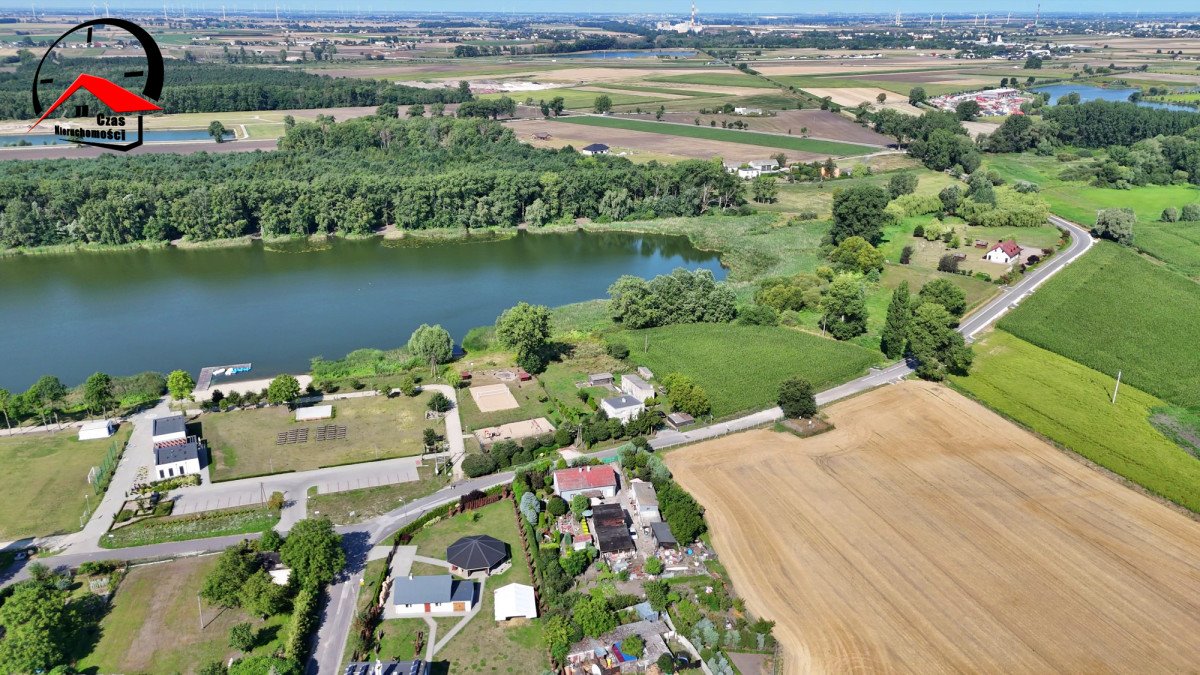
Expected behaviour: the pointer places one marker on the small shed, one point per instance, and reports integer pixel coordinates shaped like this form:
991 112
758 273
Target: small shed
316 412
662 535
645 372
678 420
96 429
515 600
600 379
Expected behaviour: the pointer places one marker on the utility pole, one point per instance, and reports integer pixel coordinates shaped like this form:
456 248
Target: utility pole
1115 388
199 612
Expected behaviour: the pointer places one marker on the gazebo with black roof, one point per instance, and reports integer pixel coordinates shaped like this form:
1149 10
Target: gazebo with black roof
476 553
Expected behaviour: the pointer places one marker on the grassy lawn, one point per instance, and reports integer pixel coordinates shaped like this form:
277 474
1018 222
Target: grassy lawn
741 367
44 480
726 135
368 503
155 609
398 637
1078 201
243 441
730 79
1114 310
484 646
191 526
1070 404
1177 244
528 396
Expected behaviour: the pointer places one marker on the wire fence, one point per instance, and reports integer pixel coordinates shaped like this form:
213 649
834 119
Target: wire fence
102 475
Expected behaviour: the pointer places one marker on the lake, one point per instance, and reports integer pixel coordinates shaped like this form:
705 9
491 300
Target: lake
630 54
277 306
1088 92
153 136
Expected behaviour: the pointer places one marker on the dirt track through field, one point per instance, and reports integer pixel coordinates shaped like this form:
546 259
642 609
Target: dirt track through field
927 534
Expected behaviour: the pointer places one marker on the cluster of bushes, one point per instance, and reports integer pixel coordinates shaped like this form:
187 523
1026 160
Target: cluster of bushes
43 627
167 484
505 454
678 297
1189 213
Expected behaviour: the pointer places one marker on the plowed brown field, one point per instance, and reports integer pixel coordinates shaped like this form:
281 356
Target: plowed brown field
927 534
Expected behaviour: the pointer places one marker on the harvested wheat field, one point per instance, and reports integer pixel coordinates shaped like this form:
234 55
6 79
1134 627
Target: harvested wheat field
927 534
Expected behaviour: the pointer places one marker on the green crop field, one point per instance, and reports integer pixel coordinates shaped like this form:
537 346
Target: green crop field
715 79
1070 404
574 99
900 88
1177 244
741 367
1114 310
726 135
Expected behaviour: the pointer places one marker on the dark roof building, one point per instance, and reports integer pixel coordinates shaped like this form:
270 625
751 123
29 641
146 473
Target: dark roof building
171 453
595 149
610 528
417 667
662 534
476 553
165 426
437 589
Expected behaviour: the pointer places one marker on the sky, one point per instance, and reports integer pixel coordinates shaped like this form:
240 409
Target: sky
640 6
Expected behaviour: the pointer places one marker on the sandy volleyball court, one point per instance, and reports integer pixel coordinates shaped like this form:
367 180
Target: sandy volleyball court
927 534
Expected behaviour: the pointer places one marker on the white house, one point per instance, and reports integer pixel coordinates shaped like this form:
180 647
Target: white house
515 600
645 501
1004 252
595 149
96 429
623 408
177 459
599 481
171 429
636 387
747 111
416 596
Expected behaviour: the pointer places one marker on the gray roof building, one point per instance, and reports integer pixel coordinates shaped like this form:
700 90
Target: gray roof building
619 402
476 553
181 452
175 424
662 534
437 589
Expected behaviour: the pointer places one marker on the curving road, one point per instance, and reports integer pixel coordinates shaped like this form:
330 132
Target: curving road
338 611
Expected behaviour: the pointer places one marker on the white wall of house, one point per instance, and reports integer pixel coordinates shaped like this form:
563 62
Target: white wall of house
637 388
173 469
606 492
433 608
623 414
998 256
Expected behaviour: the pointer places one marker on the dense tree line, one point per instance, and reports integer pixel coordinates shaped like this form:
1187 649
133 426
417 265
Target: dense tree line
348 178
217 87
1100 124
678 297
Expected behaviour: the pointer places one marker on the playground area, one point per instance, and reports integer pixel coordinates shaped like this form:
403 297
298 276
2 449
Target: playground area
493 397
514 431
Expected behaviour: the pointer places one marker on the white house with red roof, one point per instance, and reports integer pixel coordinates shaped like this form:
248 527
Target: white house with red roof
590 481
1004 252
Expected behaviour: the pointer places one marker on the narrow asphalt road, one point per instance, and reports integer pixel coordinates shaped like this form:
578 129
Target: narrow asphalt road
338 610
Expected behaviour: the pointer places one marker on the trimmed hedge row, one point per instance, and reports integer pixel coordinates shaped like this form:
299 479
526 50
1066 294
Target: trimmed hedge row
304 619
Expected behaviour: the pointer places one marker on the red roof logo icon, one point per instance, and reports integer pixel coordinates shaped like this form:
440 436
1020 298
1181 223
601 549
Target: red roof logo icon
116 97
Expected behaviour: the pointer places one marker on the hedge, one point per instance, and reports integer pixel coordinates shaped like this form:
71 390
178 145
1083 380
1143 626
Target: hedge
304 619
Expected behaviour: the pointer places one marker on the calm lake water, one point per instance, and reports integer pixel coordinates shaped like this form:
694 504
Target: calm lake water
149 137
630 54
124 312
1089 92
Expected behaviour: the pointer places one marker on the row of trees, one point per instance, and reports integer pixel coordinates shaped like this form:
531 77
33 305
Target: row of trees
678 297
98 395
348 178
922 328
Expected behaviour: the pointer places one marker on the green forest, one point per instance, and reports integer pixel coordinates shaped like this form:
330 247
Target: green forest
347 178
219 87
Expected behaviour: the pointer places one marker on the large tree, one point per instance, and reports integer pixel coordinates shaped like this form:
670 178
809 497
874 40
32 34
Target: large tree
432 343
933 342
895 330
526 330
223 584
180 384
945 293
797 399
98 393
1116 224
36 623
283 389
47 393
856 254
594 616
844 308
859 211
314 552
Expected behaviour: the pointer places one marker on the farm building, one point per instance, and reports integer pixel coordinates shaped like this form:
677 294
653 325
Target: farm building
608 522
415 596
515 600
600 379
476 554
645 501
662 535
595 149
1004 252
168 430
378 667
316 412
636 387
678 420
96 429
646 373
747 111
590 481
752 169
180 458
623 408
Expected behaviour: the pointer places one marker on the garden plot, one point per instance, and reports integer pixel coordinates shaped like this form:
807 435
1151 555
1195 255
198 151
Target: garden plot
514 431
